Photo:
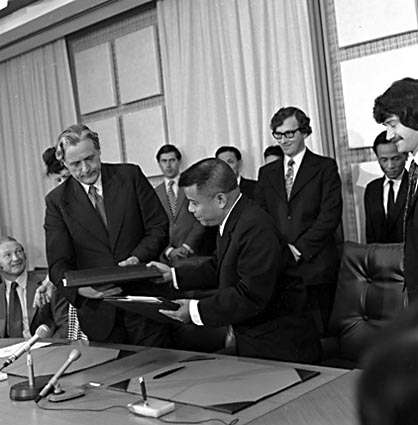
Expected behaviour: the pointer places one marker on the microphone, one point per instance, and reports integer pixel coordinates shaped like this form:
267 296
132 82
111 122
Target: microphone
42 332
74 355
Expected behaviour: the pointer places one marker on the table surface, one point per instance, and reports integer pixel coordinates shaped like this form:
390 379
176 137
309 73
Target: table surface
325 399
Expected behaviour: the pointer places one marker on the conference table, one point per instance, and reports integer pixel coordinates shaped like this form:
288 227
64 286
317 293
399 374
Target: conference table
327 398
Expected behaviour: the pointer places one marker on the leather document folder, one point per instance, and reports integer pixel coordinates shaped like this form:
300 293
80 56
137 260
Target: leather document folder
110 274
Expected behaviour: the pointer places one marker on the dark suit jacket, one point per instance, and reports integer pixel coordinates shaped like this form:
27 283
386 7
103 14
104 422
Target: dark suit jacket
77 239
54 315
259 290
378 228
309 219
247 187
184 228
411 250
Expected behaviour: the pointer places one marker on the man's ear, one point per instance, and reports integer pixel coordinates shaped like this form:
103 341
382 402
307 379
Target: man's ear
222 200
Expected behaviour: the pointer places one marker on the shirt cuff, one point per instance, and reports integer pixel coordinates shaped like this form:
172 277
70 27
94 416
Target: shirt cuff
184 245
174 278
194 312
168 251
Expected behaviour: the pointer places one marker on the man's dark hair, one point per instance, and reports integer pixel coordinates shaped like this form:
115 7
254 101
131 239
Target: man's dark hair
380 140
232 149
211 174
53 166
275 150
167 149
400 99
290 111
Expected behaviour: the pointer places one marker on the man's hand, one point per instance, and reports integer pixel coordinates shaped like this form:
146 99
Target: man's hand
43 293
182 314
180 252
98 292
164 269
131 261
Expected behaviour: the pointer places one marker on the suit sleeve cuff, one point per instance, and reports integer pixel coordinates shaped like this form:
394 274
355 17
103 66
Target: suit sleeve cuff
168 252
194 312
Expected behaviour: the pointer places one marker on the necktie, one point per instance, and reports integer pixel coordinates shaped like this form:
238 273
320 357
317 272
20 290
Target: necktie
412 182
14 316
171 196
391 201
98 203
288 178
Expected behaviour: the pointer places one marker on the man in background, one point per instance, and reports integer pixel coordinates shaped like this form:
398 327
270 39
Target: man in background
397 110
232 156
302 192
272 153
186 233
256 288
385 197
18 317
102 215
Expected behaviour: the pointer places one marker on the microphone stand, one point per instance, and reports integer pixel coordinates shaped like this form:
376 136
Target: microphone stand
28 390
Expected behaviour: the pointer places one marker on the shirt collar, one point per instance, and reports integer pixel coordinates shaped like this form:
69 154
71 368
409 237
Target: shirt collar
222 225
98 185
399 178
297 158
175 179
22 280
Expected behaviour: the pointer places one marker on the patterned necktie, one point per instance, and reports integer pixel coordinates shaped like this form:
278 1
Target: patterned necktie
288 178
412 182
14 316
391 201
171 196
98 203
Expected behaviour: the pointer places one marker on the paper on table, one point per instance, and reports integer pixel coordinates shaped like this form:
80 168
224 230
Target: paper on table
10 349
208 383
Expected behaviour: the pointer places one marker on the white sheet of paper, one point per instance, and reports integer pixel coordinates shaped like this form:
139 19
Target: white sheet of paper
9 350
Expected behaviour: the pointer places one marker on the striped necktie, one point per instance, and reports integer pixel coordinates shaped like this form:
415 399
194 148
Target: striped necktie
412 182
171 196
98 203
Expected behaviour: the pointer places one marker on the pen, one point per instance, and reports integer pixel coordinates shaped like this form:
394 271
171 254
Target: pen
168 372
143 390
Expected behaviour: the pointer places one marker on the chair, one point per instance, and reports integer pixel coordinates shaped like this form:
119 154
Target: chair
369 295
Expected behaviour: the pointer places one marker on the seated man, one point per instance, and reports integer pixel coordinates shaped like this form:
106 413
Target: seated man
18 317
272 153
258 291
385 197
232 156
186 233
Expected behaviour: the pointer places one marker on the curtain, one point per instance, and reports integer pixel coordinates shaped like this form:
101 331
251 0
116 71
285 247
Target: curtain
36 103
228 66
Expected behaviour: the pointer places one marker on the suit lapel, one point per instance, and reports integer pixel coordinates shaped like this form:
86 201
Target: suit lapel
78 206
224 241
181 199
31 286
3 309
276 176
113 195
162 194
308 168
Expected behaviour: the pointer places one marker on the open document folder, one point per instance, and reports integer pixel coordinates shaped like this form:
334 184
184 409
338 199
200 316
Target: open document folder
221 384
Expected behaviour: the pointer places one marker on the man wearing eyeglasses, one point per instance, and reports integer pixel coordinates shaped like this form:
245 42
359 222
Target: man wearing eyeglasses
302 192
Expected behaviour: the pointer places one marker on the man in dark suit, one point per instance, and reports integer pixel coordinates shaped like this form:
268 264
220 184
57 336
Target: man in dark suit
258 290
102 215
232 156
397 109
302 192
384 198
186 233
16 281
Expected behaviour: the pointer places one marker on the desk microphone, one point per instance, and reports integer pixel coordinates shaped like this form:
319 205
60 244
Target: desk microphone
74 355
42 332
